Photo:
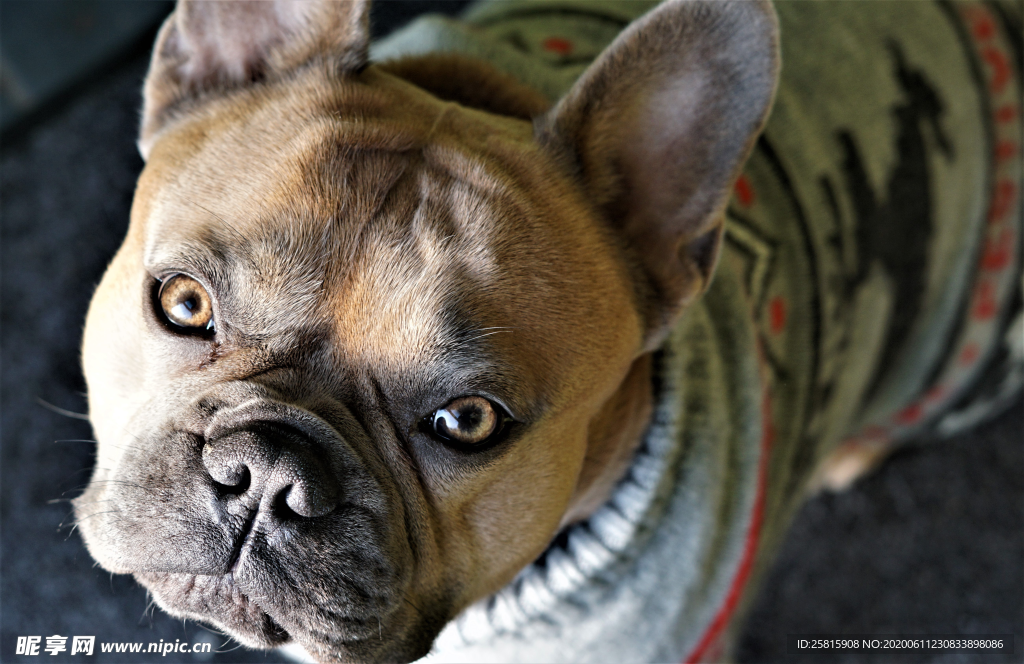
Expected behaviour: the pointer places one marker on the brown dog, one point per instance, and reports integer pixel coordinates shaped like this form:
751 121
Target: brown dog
379 332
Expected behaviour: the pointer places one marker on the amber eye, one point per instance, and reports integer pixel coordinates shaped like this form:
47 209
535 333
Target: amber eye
186 303
466 421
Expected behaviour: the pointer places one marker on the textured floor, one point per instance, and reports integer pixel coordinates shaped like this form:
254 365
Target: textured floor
51 49
933 543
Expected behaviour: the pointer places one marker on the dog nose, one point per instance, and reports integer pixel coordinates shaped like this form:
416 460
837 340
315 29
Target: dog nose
272 469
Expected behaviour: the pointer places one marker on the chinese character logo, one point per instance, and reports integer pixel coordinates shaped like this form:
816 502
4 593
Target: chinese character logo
28 645
82 645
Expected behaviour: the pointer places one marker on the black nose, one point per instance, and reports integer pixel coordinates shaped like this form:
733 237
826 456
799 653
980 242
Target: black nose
273 469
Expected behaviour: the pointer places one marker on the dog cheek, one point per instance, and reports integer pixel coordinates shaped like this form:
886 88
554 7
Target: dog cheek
112 357
91 522
152 516
526 494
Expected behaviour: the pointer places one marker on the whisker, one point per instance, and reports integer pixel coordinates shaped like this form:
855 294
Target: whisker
89 516
150 609
91 502
405 596
237 645
61 411
124 483
486 334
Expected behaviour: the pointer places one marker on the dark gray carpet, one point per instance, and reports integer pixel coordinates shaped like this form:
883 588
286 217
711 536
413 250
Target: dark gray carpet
934 543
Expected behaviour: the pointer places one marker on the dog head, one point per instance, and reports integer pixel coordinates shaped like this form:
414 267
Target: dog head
363 350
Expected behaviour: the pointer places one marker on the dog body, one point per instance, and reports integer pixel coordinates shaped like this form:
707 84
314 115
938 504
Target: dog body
388 340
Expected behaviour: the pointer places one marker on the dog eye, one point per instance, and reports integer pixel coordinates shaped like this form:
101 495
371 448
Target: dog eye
466 421
186 303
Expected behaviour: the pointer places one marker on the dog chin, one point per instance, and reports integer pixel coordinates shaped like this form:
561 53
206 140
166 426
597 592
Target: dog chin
217 600
224 603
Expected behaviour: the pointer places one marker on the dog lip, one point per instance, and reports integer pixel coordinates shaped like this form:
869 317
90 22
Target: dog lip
219 599
275 627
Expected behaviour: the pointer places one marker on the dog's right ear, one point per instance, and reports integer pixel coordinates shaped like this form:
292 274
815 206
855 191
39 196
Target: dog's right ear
211 46
657 129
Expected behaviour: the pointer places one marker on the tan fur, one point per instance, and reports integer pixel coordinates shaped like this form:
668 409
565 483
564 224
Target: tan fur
224 45
378 240
381 299
613 436
471 83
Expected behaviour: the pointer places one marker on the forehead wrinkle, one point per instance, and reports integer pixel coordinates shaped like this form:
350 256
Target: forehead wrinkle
388 310
452 238
314 228
384 303
477 171
298 251
426 245
432 233
455 224
477 218
370 184
352 189
288 253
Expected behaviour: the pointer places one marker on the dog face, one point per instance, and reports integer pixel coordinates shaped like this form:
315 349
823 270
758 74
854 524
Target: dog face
363 351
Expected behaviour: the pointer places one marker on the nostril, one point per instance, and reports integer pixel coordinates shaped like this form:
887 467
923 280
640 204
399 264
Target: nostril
231 480
282 510
290 505
308 498
231 463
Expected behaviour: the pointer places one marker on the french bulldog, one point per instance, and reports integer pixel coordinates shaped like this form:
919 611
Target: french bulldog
425 333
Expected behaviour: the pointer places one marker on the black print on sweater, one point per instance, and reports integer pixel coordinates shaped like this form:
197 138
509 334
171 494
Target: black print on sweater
897 233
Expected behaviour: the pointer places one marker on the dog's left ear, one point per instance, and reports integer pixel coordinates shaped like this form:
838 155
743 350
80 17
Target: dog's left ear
658 128
210 47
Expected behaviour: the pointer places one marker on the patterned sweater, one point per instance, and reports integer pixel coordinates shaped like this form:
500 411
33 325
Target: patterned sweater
870 289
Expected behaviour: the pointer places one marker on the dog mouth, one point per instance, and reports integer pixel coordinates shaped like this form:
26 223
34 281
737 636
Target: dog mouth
218 600
264 598
264 522
225 603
